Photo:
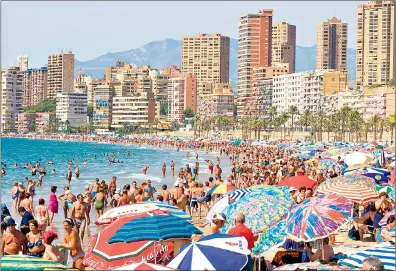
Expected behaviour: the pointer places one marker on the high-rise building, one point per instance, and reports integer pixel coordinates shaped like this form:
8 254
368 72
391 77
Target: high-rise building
254 50
331 45
159 85
376 47
23 62
207 57
34 86
71 108
103 99
60 73
284 45
134 109
11 96
182 94
219 101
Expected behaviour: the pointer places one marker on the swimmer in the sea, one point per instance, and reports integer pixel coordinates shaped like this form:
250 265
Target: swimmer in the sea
144 170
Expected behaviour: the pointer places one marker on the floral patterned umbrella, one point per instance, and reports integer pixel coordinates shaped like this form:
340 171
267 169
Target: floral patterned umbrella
263 208
355 187
313 266
318 217
270 238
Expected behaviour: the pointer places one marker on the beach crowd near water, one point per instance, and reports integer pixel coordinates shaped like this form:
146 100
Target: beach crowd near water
251 164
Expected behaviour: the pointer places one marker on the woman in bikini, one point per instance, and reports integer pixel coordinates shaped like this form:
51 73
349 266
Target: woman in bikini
34 240
72 242
42 215
15 195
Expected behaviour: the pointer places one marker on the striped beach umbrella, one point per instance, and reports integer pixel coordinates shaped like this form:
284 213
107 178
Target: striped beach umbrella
213 252
386 254
159 227
28 263
223 189
355 187
235 195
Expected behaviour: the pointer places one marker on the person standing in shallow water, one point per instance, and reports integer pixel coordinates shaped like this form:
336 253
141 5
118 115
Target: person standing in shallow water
163 169
52 205
173 168
69 176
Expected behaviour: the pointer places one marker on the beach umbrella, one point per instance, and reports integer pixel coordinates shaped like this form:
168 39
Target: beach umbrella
144 266
377 178
385 253
154 206
387 189
210 191
223 189
270 238
263 208
237 194
213 252
313 266
357 158
378 171
384 220
159 227
100 255
327 163
355 187
318 217
28 263
298 181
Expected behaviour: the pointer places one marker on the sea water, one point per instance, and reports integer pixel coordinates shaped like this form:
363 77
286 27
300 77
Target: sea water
24 151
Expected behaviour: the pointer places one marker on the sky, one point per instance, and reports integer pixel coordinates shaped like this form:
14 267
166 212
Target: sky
91 29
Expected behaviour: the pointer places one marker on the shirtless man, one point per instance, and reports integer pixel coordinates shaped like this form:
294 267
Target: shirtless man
124 200
165 194
69 175
173 168
218 171
12 241
163 169
182 200
112 186
130 193
87 199
77 172
72 242
94 188
144 170
79 215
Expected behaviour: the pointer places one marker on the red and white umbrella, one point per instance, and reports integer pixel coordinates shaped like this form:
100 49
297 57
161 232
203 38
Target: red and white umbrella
101 255
355 187
144 266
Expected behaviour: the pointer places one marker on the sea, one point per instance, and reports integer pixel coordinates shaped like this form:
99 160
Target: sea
24 151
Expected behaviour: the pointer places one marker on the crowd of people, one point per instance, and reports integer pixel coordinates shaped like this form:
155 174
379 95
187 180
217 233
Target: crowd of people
250 165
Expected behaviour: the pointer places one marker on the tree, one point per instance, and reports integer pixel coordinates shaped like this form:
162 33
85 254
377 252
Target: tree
272 113
47 105
305 117
391 125
188 113
164 108
68 127
374 123
90 111
292 111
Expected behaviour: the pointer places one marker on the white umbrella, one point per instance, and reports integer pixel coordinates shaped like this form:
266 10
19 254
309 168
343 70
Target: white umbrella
357 158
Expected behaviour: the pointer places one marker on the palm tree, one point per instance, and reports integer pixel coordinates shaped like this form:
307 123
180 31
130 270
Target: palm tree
293 111
366 129
305 118
391 125
343 115
283 118
272 113
374 123
381 124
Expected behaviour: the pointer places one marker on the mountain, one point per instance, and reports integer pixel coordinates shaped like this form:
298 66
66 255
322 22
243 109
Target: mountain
163 53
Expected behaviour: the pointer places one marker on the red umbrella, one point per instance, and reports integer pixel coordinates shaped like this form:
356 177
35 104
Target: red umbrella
143 266
103 256
298 181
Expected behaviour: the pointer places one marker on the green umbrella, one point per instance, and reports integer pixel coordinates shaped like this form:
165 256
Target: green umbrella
28 263
387 189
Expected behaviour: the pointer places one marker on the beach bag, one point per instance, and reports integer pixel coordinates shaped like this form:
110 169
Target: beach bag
354 234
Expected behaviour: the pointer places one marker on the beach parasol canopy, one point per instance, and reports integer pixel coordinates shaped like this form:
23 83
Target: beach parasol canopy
262 208
270 238
384 220
213 252
298 181
386 254
357 158
159 227
222 189
28 263
144 266
100 255
130 209
318 217
312 266
355 187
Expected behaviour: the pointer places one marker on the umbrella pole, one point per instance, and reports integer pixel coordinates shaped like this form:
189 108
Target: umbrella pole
322 251
155 253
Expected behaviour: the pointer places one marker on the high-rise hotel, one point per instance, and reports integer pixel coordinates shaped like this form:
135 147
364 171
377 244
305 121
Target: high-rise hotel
254 50
60 73
376 48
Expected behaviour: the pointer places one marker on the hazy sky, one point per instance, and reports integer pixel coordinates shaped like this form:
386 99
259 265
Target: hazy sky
91 29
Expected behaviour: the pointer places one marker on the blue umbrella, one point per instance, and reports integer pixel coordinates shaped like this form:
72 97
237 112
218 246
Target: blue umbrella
159 227
239 193
173 210
386 254
213 252
378 178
